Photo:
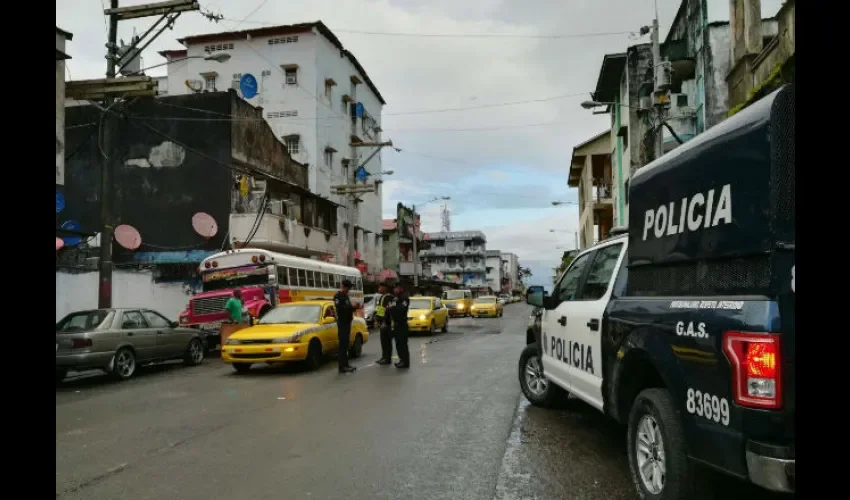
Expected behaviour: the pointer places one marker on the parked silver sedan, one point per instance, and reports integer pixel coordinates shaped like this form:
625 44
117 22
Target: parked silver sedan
118 340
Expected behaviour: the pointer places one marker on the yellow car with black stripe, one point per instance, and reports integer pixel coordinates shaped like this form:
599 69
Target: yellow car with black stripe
294 332
486 306
427 314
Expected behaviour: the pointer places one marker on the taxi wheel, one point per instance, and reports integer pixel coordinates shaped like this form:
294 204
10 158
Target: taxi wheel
356 348
242 367
446 326
314 354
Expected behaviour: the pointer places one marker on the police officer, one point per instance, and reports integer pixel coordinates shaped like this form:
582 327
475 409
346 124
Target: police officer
344 317
382 319
398 315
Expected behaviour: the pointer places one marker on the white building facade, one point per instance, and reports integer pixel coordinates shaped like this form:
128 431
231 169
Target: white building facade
494 269
511 272
318 100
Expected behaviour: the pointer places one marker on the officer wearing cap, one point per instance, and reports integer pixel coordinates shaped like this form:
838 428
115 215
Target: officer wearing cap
344 317
398 315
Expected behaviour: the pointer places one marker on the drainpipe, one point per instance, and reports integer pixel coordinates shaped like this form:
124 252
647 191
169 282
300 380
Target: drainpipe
620 202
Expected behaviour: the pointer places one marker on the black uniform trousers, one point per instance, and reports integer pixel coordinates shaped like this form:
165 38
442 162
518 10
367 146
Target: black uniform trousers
386 340
344 334
400 332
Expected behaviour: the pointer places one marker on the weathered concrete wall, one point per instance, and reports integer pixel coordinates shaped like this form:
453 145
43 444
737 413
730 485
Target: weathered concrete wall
169 162
717 57
638 72
78 291
254 143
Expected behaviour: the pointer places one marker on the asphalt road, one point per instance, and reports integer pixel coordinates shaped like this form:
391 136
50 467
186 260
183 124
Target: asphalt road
453 427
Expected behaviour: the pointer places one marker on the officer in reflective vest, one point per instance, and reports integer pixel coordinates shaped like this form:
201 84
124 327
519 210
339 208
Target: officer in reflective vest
383 301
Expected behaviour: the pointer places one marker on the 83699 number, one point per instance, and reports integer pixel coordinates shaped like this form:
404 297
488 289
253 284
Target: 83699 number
708 406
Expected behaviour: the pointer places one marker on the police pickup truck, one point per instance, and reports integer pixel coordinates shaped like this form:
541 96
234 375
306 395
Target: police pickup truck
682 327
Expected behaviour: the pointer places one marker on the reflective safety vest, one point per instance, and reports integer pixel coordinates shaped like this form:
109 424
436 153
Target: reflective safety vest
380 310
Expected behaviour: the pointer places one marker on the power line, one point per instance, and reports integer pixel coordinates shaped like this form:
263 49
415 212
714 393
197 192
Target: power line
457 35
251 13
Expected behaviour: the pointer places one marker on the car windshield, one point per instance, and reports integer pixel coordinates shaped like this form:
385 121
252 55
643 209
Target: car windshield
84 321
485 300
453 295
420 304
292 314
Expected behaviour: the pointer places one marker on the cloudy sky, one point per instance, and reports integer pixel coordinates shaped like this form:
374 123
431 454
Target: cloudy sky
502 165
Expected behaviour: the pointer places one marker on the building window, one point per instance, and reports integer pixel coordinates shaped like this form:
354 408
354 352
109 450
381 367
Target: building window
218 47
329 158
283 40
237 77
291 76
329 87
682 100
282 114
293 143
209 83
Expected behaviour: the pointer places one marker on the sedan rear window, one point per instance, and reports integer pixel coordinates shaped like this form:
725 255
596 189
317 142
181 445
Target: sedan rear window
84 321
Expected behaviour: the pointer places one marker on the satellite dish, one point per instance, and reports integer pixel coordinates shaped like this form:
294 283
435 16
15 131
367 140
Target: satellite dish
71 225
128 237
59 243
204 224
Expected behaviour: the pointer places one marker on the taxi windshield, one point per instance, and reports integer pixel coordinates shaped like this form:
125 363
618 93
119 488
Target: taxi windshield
420 304
485 300
292 314
453 295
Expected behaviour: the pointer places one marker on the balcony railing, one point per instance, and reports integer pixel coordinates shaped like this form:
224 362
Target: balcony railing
602 192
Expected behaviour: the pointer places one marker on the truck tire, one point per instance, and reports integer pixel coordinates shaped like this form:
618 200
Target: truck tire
537 389
656 445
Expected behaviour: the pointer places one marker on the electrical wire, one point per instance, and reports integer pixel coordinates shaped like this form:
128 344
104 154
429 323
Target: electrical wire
251 14
456 35
259 219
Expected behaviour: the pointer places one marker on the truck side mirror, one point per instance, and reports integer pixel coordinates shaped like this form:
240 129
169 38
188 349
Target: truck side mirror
535 296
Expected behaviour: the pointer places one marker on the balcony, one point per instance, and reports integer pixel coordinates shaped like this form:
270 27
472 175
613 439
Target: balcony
433 252
473 251
682 118
282 234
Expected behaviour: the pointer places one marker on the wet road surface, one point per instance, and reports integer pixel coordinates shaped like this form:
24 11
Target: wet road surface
452 427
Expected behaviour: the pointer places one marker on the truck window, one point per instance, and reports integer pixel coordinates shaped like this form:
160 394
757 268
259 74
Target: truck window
568 286
600 272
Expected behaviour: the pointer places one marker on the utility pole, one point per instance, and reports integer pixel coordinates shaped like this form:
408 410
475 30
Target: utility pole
353 190
111 90
415 250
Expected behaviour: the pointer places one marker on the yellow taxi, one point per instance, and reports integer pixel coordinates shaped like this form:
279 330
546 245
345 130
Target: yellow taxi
294 332
426 314
458 302
486 306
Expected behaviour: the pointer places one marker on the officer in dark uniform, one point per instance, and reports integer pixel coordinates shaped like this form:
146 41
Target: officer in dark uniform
398 315
382 319
344 317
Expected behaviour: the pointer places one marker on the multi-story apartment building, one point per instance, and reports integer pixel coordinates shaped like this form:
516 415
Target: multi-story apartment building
317 99
495 268
458 257
590 172
511 281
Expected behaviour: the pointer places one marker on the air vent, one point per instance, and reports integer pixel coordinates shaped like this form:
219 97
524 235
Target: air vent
282 114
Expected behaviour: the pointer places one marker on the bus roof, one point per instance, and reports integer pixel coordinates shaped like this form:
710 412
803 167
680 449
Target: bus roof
283 260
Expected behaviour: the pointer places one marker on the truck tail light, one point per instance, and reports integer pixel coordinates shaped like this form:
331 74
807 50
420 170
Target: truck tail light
80 343
756 368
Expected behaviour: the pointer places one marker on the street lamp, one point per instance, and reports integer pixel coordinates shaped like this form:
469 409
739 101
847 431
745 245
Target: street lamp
217 57
415 249
596 104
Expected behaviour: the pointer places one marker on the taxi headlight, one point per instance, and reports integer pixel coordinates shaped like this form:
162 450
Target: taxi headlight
473 308
460 306
292 339
233 342
422 317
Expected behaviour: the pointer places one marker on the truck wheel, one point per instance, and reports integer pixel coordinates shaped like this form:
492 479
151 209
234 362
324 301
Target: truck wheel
536 387
658 458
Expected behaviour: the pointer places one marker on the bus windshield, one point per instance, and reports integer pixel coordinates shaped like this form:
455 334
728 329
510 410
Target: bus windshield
221 279
453 295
